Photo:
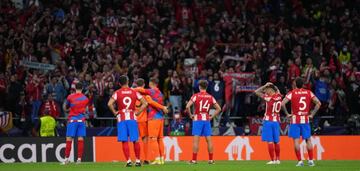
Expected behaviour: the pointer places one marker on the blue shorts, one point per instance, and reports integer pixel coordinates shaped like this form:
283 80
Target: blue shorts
297 130
76 129
270 132
201 128
128 131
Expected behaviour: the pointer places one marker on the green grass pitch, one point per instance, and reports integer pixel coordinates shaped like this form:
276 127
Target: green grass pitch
183 166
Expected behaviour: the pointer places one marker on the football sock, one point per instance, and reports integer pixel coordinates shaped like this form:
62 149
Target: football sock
137 150
68 148
194 157
277 151
154 147
271 151
161 147
125 146
211 156
80 148
298 155
146 147
310 153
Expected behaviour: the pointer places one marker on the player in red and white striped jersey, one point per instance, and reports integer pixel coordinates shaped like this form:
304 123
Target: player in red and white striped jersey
126 98
271 126
301 100
201 119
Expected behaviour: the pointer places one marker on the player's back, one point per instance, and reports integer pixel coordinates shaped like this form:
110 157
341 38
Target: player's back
157 96
300 104
202 102
126 103
77 103
273 107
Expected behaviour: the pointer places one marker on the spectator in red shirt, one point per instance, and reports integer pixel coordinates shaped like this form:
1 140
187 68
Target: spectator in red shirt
293 71
50 107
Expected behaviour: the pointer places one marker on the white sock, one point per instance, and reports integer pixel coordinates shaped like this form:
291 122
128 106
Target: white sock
129 161
138 161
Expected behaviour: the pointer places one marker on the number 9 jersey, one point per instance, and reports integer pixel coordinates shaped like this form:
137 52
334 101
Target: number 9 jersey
126 103
202 102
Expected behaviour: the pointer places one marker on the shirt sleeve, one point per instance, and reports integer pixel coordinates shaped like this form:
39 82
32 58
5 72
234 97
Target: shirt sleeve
142 90
138 96
193 98
67 101
312 95
289 95
114 96
87 101
154 103
213 100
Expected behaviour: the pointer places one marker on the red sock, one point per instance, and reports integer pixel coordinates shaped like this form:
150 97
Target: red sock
80 148
125 146
137 150
67 148
298 155
310 153
277 151
194 156
271 151
211 156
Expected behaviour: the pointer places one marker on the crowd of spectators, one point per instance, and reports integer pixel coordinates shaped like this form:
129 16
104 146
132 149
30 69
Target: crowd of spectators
96 41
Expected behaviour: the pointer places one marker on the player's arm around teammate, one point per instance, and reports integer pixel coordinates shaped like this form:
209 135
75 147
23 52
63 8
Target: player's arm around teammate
143 118
127 126
201 120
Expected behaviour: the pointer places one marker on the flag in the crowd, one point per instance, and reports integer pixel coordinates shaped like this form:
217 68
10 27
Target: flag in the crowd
5 121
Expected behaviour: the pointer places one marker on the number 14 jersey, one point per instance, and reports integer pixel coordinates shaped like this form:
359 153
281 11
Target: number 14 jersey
202 102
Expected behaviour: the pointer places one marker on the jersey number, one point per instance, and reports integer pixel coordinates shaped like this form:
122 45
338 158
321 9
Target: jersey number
303 103
276 107
206 105
127 102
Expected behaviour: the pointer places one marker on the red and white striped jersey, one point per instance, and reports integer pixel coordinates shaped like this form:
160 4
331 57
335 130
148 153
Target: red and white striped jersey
100 86
273 107
202 102
126 103
300 105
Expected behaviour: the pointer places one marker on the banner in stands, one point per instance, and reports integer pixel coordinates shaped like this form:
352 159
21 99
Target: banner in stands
242 81
237 148
35 149
37 65
6 121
